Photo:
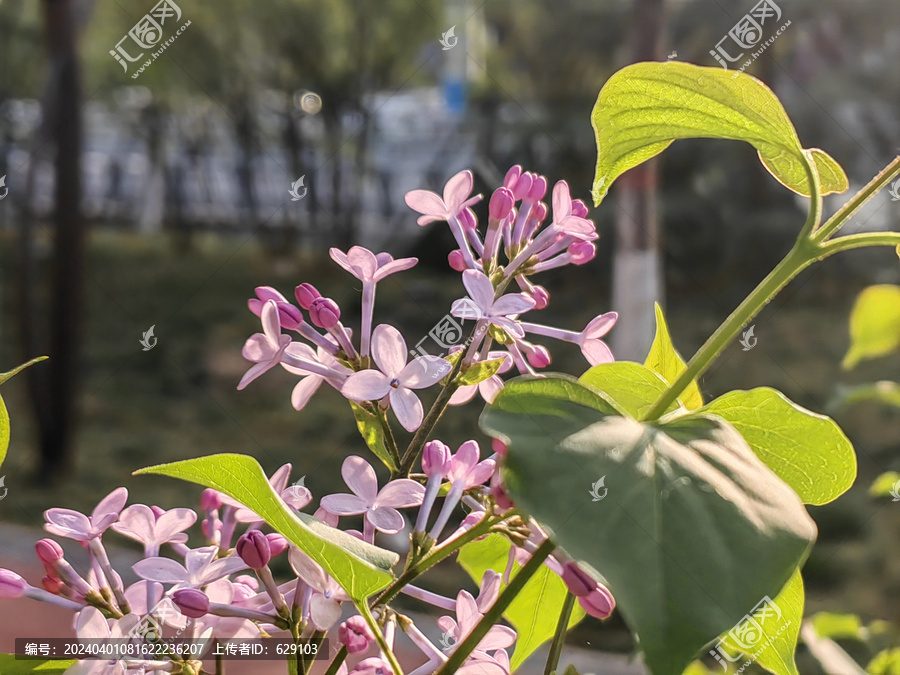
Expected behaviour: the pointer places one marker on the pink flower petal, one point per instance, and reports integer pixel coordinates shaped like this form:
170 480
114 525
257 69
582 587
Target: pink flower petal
172 522
498 637
199 559
407 407
280 478
303 391
600 326
386 519
466 309
137 522
307 569
110 506
366 385
467 614
395 266
401 493
424 371
324 612
255 371
363 262
510 326
512 303
67 523
220 568
297 496
257 348
490 388
489 590
457 190
343 504
163 570
463 461
596 352
480 288
426 203
340 258
562 201
464 394
360 477
388 349
270 321
448 625
91 624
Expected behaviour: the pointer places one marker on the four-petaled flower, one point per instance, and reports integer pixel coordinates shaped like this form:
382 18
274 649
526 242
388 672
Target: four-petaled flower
74 525
497 312
201 566
456 198
395 379
325 604
380 508
143 524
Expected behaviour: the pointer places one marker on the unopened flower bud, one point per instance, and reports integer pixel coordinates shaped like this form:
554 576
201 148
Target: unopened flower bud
512 176
277 544
599 603
582 252
373 666
499 447
457 260
501 498
11 585
193 603
324 312
502 202
210 500
305 294
467 219
579 582
539 211
289 316
435 458
538 189
48 551
579 209
355 634
52 584
254 549
538 356
540 296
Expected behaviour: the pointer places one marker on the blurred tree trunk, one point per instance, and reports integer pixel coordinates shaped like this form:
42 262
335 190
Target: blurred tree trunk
54 387
637 267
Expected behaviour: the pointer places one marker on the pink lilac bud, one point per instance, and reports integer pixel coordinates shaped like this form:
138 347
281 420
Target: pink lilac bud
579 209
324 313
512 176
52 584
277 544
582 252
540 296
11 585
193 604
467 219
435 458
254 549
538 189
499 447
355 634
539 211
501 498
372 666
247 580
210 500
538 356
457 260
523 185
289 316
599 603
579 582
502 202
48 551
305 294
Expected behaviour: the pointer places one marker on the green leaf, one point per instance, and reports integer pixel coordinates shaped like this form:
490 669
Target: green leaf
557 392
4 414
808 451
884 391
665 361
874 324
886 485
371 429
631 385
644 107
535 611
10 665
837 626
690 509
769 635
480 371
360 568
885 663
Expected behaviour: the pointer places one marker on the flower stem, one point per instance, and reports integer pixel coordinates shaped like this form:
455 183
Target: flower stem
560 637
389 440
339 659
386 650
496 610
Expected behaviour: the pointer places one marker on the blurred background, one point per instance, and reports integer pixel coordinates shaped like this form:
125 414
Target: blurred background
147 174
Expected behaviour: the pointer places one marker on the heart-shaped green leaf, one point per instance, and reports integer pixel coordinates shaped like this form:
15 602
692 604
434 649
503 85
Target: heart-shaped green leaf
690 509
535 611
360 568
665 361
631 385
371 429
802 447
643 107
874 324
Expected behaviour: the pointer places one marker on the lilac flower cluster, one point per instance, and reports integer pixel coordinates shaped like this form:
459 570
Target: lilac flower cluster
225 588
